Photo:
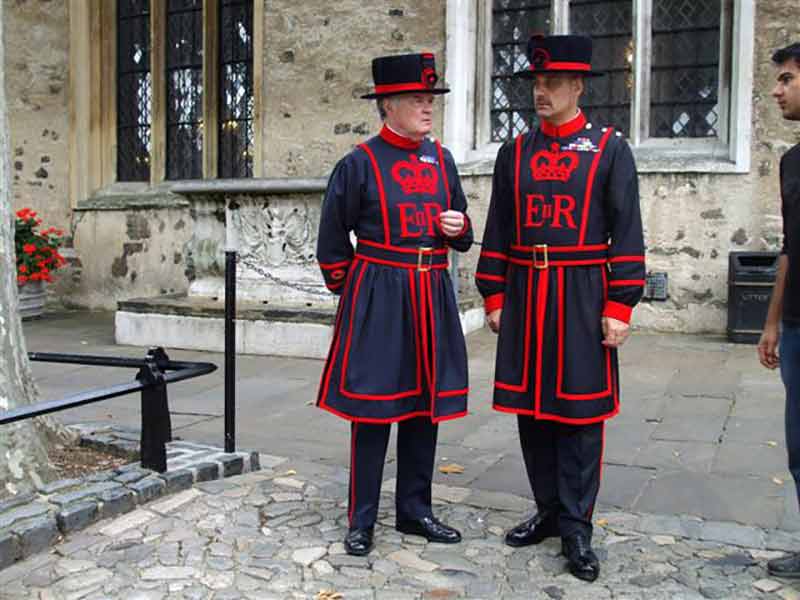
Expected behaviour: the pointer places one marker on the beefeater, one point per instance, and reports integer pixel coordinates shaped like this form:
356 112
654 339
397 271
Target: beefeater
398 353
561 268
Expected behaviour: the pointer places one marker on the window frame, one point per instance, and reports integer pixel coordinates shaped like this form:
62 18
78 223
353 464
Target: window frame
93 96
467 116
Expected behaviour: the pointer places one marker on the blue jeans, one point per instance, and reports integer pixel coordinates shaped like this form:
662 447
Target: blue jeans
790 373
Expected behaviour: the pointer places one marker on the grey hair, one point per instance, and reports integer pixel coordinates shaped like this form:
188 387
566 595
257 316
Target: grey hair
381 109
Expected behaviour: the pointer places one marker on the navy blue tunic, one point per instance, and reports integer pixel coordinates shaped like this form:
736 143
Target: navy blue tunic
398 350
563 247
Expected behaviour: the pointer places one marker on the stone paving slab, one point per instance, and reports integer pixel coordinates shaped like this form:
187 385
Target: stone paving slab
678 426
32 522
276 534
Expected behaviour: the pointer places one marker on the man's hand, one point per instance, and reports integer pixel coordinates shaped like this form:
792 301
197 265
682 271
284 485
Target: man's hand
768 347
452 222
493 319
615 332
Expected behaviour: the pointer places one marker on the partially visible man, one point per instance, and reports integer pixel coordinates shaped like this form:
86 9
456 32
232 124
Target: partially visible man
783 317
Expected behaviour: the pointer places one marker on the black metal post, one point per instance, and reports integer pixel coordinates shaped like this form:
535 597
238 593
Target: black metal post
156 422
230 351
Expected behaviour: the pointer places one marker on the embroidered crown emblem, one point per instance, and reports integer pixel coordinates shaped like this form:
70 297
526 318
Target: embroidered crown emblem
553 165
415 177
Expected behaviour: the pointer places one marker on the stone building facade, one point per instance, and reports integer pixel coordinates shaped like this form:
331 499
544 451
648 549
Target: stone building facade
310 62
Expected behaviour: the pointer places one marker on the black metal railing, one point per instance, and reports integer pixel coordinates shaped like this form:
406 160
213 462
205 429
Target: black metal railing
156 371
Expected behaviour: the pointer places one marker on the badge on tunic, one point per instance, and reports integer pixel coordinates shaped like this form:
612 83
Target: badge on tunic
581 144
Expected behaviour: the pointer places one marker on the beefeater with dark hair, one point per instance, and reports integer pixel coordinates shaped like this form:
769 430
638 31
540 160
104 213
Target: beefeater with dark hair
561 268
398 353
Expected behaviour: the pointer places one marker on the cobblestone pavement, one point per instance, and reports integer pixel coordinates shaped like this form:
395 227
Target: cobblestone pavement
277 534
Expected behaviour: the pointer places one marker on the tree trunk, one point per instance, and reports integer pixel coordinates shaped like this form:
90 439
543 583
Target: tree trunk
23 456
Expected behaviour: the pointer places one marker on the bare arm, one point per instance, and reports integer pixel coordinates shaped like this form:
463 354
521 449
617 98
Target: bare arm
768 344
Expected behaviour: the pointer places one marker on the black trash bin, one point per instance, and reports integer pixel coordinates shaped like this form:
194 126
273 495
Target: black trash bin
751 276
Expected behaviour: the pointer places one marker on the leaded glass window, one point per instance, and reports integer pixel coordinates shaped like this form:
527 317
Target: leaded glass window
685 68
134 90
607 99
513 22
235 151
667 87
184 69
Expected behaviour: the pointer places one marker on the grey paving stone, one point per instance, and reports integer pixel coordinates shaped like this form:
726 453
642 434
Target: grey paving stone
117 501
36 534
77 516
84 492
20 513
232 464
10 549
205 472
148 488
700 428
57 486
177 480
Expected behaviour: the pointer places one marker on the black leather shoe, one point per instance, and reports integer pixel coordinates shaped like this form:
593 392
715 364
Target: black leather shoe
583 562
533 531
785 566
431 528
358 542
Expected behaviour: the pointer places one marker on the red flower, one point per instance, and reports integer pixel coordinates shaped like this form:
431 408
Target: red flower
23 269
29 248
22 279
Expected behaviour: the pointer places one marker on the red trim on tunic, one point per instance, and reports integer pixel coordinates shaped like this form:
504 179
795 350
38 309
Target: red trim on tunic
381 191
451 393
624 282
579 248
334 350
517 160
405 417
523 386
399 248
541 312
618 310
334 286
556 418
493 302
412 288
336 265
352 474
619 259
587 199
444 173
399 265
432 318
346 356
499 278
569 128
560 393
497 255
560 263
400 141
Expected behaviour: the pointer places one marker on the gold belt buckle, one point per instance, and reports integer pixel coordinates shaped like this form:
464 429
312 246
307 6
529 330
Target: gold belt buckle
537 248
420 253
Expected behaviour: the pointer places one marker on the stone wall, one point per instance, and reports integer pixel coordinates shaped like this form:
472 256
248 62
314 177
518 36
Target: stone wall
317 64
37 85
132 247
693 220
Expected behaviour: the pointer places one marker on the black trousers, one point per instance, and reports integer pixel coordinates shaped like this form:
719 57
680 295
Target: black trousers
416 453
564 465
